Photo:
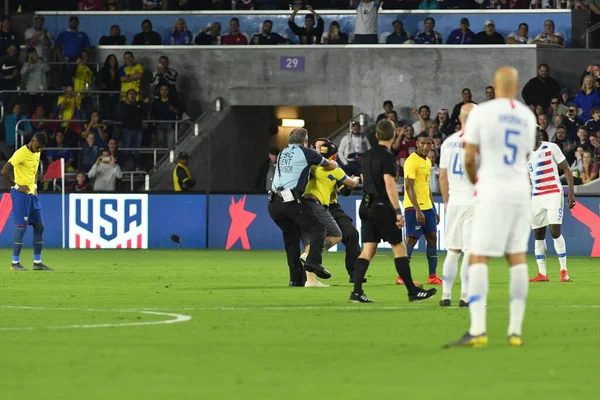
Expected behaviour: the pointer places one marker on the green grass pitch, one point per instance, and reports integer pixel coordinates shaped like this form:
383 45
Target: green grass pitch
252 337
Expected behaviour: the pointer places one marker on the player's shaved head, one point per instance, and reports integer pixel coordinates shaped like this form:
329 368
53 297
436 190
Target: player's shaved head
385 130
506 82
464 112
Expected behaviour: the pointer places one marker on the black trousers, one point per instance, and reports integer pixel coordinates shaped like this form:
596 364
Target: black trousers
350 237
293 217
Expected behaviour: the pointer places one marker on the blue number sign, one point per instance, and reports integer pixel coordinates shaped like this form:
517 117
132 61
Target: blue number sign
291 63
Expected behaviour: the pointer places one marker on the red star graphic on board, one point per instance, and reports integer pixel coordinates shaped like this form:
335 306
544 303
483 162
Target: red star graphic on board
5 209
240 221
592 221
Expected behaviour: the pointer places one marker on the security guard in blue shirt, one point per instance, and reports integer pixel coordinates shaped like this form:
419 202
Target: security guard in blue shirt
293 213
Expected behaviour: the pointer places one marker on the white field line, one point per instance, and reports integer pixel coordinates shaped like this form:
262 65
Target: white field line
177 318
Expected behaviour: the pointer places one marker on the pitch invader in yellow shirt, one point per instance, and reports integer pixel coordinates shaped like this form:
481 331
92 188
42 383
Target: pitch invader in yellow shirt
320 188
20 171
420 213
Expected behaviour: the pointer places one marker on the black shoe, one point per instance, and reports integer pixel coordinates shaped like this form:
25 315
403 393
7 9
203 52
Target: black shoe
463 303
359 298
41 267
352 280
445 303
17 267
318 270
421 295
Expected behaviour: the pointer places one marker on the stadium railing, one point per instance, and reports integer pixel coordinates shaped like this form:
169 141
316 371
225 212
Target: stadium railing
19 142
588 34
337 135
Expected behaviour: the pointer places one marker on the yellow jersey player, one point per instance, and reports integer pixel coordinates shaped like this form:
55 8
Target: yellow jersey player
20 171
421 216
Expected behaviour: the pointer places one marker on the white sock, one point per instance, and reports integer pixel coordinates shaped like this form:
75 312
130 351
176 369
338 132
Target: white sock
464 277
519 285
561 250
449 274
540 255
478 291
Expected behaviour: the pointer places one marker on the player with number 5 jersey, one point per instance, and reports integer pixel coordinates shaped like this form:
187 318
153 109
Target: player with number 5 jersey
501 133
547 201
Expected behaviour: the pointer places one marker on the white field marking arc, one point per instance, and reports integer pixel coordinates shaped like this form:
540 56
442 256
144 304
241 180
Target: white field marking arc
177 318
347 308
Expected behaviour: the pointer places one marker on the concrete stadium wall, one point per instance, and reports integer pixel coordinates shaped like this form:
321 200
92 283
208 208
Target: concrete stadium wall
361 76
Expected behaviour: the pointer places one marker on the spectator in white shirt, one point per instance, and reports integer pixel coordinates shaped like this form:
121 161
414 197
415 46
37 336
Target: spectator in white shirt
37 36
520 36
545 124
549 36
351 149
106 171
434 180
424 121
365 28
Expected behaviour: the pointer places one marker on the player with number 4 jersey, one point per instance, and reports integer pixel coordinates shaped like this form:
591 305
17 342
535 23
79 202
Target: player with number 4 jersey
457 192
547 203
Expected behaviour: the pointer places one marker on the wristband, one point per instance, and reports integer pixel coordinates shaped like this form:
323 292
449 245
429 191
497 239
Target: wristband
398 211
16 187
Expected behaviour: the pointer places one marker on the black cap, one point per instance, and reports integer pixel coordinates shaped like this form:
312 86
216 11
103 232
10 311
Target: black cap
183 156
38 16
464 21
73 17
355 122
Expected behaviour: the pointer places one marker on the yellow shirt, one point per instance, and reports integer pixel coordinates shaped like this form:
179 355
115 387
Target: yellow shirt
25 163
135 85
419 169
180 173
83 75
68 108
323 183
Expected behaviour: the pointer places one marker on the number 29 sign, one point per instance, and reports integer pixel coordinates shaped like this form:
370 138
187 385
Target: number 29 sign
291 63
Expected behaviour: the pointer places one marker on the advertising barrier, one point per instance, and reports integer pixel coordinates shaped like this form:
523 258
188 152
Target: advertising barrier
445 22
232 221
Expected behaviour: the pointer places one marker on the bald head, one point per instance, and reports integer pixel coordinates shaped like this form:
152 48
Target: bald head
464 112
506 82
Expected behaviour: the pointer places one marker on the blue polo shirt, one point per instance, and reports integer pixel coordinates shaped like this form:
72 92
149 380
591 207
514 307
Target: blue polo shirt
293 167
73 43
458 37
393 38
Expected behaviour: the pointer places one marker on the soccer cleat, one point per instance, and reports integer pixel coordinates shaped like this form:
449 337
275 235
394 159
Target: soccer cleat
315 284
41 267
17 267
399 281
434 280
463 303
445 303
468 340
564 276
421 294
359 298
540 278
515 341
318 270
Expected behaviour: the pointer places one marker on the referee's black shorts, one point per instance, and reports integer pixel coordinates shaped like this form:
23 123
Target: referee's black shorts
379 222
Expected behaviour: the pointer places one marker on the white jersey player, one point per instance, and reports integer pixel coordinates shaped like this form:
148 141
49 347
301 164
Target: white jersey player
502 132
547 203
457 192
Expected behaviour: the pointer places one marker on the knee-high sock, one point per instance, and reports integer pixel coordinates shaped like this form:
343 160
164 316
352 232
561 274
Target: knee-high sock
540 256
409 251
478 291
449 274
360 270
403 268
561 250
519 285
464 278
432 259
18 242
38 242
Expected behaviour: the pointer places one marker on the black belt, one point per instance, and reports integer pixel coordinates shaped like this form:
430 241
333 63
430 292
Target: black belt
311 200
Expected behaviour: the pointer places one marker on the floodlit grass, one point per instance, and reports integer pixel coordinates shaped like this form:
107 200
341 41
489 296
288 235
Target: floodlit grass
252 337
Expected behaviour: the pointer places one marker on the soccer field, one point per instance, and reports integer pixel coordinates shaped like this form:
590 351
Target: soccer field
81 332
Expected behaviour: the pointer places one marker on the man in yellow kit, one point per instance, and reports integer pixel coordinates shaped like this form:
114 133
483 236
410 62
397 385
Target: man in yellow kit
319 189
20 171
421 216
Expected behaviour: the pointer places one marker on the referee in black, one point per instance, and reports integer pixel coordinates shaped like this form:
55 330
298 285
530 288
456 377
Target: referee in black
381 215
293 213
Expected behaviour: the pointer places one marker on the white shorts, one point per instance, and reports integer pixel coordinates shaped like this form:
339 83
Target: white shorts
547 210
458 227
500 228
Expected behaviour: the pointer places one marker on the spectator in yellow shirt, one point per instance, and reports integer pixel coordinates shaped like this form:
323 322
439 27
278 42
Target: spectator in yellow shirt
131 75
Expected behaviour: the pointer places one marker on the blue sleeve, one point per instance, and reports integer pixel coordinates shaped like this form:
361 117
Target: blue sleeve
60 39
121 72
167 40
313 158
86 40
